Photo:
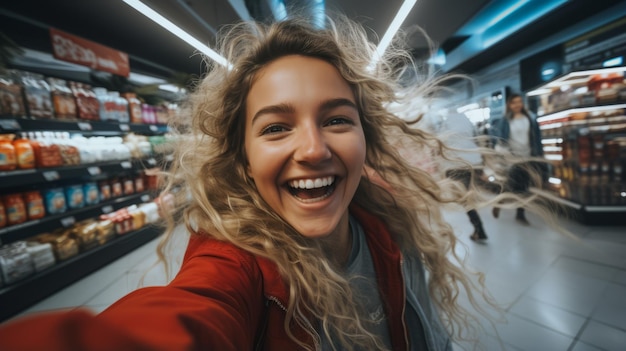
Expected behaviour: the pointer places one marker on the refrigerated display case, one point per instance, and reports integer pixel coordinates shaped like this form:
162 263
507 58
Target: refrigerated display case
582 116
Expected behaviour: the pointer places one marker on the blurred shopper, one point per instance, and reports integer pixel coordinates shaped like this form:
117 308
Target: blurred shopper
460 134
517 133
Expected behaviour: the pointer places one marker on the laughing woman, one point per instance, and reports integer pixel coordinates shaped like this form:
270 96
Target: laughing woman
292 246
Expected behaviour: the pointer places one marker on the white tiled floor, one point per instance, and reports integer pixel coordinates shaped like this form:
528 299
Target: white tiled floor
559 292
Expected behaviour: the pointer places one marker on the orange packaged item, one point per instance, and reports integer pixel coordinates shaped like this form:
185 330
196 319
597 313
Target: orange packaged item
151 179
15 209
134 107
128 185
34 205
116 188
47 154
8 160
139 187
62 99
24 153
3 215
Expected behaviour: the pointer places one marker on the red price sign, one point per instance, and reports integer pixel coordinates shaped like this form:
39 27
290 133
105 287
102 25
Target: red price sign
70 48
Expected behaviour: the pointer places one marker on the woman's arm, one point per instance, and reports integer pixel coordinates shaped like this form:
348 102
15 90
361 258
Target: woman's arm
214 303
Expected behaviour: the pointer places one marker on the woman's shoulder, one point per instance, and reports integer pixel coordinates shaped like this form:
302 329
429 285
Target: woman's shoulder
202 245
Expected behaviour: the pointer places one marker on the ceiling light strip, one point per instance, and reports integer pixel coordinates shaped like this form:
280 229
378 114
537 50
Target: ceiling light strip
402 14
177 31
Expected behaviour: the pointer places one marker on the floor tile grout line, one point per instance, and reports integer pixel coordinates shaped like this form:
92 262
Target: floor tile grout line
541 325
557 307
594 262
530 286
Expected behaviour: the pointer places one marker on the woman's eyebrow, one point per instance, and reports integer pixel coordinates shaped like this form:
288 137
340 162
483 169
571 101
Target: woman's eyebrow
334 103
285 108
274 109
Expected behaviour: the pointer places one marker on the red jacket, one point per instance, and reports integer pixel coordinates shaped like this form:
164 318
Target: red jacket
223 298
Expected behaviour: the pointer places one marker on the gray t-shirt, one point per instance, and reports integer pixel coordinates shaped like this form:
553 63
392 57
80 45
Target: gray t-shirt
362 275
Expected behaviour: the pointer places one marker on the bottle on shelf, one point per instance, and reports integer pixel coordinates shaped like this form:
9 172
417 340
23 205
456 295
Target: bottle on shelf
134 107
25 155
106 108
8 160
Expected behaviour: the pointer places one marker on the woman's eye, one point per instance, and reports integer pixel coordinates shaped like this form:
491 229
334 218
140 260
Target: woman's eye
338 121
272 129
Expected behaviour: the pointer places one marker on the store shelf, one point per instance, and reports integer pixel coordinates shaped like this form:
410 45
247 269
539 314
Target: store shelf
28 229
10 124
550 196
596 215
40 176
16 297
584 138
556 116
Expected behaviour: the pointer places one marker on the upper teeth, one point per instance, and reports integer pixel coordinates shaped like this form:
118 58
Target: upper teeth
312 183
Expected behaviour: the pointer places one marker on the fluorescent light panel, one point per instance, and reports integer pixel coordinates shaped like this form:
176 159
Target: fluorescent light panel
403 12
177 31
506 12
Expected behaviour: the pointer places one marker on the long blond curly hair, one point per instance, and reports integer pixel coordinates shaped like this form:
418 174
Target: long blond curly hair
221 200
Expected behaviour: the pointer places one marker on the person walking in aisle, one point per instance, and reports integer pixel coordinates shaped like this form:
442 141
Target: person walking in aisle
460 133
517 133
292 245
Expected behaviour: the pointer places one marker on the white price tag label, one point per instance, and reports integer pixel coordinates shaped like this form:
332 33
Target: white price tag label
152 162
68 221
107 209
10 124
85 126
51 175
94 170
145 198
124 127
154 128
126 165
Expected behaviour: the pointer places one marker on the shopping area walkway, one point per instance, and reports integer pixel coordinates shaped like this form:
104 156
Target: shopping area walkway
560 293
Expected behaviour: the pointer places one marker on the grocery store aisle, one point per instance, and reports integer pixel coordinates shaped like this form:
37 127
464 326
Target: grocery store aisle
559 293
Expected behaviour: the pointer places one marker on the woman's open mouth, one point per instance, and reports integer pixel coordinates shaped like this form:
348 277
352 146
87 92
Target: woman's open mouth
312 190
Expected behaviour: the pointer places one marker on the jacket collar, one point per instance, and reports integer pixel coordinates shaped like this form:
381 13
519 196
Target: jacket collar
387 259
377 235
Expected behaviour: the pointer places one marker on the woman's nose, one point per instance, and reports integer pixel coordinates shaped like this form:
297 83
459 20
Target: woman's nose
312 146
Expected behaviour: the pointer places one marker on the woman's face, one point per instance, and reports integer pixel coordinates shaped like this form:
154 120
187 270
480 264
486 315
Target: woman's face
516 104
305 143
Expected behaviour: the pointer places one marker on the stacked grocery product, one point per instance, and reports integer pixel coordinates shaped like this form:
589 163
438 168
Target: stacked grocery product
34 95
583 91
20 207
57 149
583 121
79 166
23 258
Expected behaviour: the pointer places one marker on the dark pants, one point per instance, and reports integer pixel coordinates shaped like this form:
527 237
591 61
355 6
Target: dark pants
526 174
464 176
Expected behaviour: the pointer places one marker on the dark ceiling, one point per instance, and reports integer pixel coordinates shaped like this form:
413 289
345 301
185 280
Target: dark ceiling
155 51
